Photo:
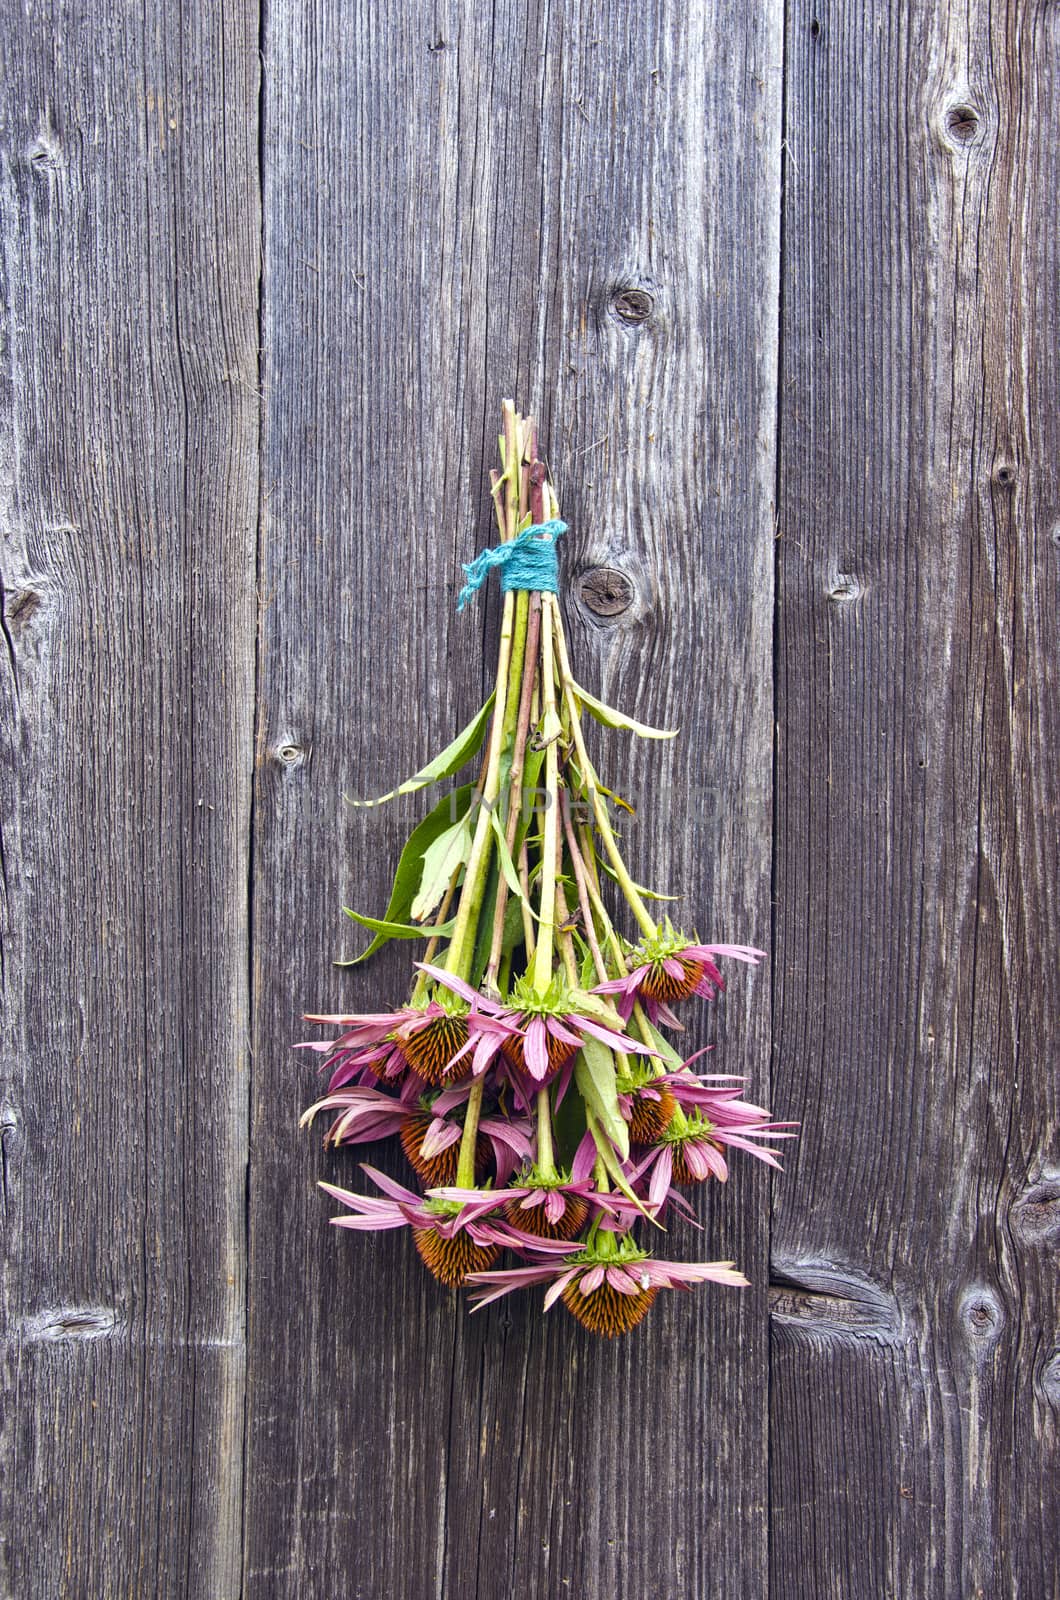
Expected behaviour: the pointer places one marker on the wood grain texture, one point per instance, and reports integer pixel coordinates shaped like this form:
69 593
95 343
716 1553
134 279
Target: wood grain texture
579 206
129 264
483 205
915 1372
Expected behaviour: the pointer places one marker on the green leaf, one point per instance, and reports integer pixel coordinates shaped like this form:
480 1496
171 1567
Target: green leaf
594 1073
409 873
396 930
507 865
450 760
618 719
440 860
513 928
649 894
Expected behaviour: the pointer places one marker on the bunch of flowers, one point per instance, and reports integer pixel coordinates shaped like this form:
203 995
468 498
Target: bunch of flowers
529 1078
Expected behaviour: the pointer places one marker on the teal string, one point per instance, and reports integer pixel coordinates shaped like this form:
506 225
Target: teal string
527 562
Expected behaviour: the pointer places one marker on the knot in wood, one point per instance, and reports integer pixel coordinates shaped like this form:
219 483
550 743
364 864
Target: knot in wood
844 590
289 755
605 591
962 123
982 1314
632 305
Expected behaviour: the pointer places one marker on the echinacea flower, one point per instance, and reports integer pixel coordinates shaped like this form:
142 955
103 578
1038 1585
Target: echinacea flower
672 967
450 1242
364 1114
608 1286
539 1033
535 1206
648 1108
366 1049
689 1148
429 1126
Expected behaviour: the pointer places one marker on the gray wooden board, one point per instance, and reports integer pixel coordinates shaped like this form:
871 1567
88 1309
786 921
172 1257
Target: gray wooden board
129 421
581 207
916 1370
451 208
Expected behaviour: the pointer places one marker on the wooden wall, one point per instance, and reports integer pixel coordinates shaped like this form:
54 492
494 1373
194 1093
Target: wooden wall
782 283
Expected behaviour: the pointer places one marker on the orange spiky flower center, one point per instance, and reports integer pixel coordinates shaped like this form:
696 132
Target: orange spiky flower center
649 1118
451 1259
534 1219
438 1171
658 984
606 1312
430 1049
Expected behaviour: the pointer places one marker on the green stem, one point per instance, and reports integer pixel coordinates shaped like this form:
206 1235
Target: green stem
596 799
584 901
564 937
527 644
550 826
546 1160
462 949
465 1170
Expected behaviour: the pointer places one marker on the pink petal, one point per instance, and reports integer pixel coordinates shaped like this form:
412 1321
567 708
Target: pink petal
388 1185
439 1136
535 1049
621 1280
558 1287
591 1280
456 985
662 1177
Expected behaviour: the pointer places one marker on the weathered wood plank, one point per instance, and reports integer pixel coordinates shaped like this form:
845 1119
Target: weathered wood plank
453 211
915 1377
129 263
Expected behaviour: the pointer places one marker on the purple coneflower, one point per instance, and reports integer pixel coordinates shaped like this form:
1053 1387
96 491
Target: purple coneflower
429 1127
608 1286
450 1242
672 967
537 1033
536 1206
708 1115
428 1036
365 1051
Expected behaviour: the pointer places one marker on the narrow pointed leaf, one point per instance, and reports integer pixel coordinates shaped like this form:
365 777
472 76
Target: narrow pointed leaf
594 1073
450 760
507 865
396 930
618 719
649 894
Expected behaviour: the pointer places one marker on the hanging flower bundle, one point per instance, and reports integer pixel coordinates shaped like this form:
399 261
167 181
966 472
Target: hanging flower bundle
550 1125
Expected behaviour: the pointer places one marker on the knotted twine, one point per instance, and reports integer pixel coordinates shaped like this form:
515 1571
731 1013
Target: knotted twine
528 561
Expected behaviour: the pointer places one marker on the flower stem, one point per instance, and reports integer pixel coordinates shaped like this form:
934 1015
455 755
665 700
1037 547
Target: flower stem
546 1160
581 879
550 826
465 1169
462 949
530 643
596 799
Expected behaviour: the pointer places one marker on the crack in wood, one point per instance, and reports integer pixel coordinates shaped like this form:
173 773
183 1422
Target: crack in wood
819 1299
